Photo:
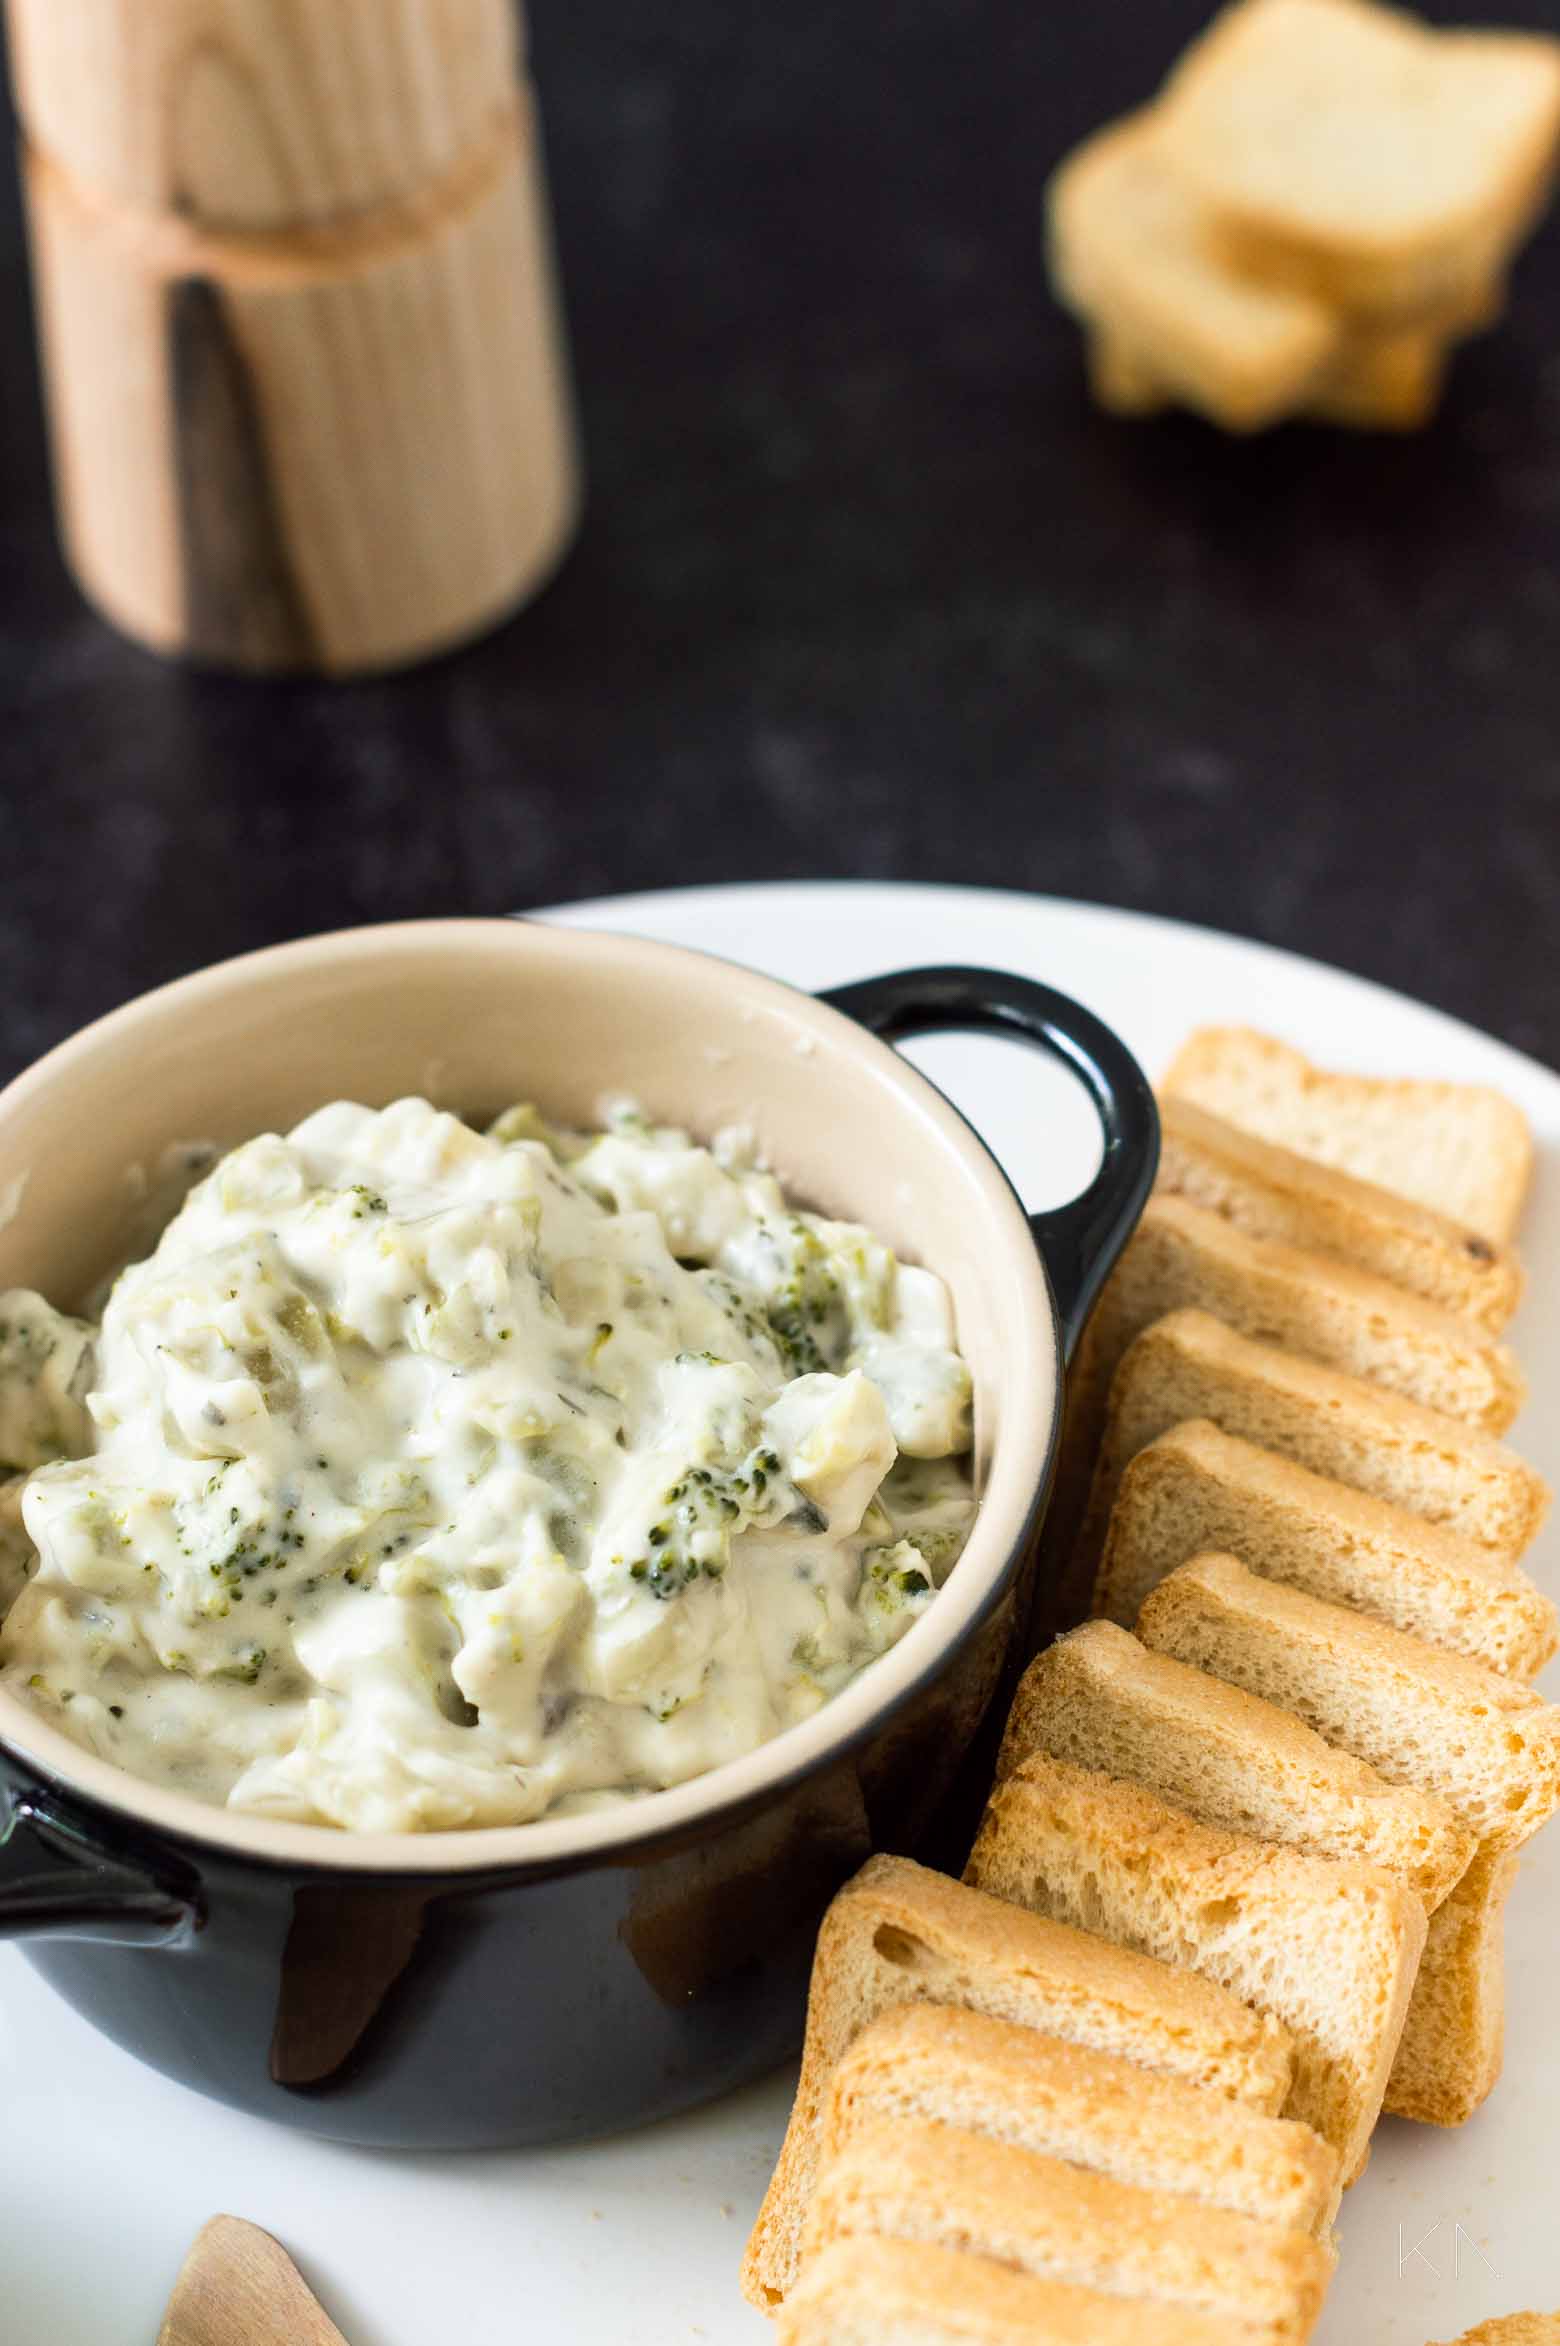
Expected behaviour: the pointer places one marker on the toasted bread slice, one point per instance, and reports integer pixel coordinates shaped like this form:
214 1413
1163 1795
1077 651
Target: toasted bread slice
1196 1490
1388 382
1099 1699
1329 1948
1460 1148
1382 378
1347 150
938 2184
1182 1256
1515 2329
866 2291
1272 1192
1127 246
1491 1748
1191 1365
1488 1745
1040 2093
899 1934
1449 2055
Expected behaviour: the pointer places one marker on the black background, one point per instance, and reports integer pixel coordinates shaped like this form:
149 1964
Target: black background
865 587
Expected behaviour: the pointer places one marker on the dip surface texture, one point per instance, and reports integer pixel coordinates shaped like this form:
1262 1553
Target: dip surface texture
425 1478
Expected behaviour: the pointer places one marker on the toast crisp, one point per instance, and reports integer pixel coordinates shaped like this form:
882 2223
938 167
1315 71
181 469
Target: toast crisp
1449 2056
1346 150
1182 1256
1462 1149
1272 1192
1127 246
1098 1699
1380 382
899 1934
938 2184
1382 378
1197 1490
864 2291
1487 1745
1328 1948
1038 2093
1191 1365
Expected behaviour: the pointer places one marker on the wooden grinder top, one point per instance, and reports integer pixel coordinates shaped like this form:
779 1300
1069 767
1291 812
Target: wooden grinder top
245 115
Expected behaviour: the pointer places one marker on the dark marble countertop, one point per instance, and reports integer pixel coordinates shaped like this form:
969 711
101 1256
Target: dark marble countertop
864 587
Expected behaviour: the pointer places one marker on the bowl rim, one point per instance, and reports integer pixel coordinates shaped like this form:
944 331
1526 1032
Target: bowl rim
723 1795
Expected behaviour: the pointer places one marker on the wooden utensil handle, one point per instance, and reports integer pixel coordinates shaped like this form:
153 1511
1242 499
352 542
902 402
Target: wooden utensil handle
244 114
239 2287
333 449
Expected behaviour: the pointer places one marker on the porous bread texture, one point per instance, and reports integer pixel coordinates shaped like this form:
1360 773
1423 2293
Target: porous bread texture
1348 150
1127 246
1327 1947
1191 1365
1488 1745
1514 2329
1449 2056
865 2291
1273 1192
1420 1716
1491 1748
1463 1149
900 1934
936 2183
1182 1256
1039 2093
1098 1699
1197 1489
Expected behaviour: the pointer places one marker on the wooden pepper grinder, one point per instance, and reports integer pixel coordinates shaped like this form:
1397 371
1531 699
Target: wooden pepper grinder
305 371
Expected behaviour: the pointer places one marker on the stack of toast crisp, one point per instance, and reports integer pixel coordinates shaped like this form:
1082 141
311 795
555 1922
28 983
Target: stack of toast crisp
1323 200
1240 1883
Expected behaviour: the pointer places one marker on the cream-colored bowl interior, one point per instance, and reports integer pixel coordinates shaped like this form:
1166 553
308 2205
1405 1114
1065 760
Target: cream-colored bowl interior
475 1015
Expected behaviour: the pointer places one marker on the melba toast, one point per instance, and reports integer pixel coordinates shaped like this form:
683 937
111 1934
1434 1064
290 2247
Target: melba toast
1351 152
1270 1191
900 1934
1197 1490
1185 1256
1334 1424
1488 1745
1127 246
1040 2093
938 2184
1324 200
1461 1149
1328 1948
863 2290
1098 1699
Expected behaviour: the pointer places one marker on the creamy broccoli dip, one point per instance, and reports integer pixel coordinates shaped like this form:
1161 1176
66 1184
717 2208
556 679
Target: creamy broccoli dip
423 1477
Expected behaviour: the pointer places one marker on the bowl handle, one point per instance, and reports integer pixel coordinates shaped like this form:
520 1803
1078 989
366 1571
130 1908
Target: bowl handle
1081 1240
95 1894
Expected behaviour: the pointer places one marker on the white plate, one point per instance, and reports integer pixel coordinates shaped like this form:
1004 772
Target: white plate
108 2170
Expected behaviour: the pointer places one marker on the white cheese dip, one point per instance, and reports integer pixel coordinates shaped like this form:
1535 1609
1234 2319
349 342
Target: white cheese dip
424 1478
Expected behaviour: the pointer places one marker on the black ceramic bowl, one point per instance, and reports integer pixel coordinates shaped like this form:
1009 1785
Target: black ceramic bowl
527 1984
